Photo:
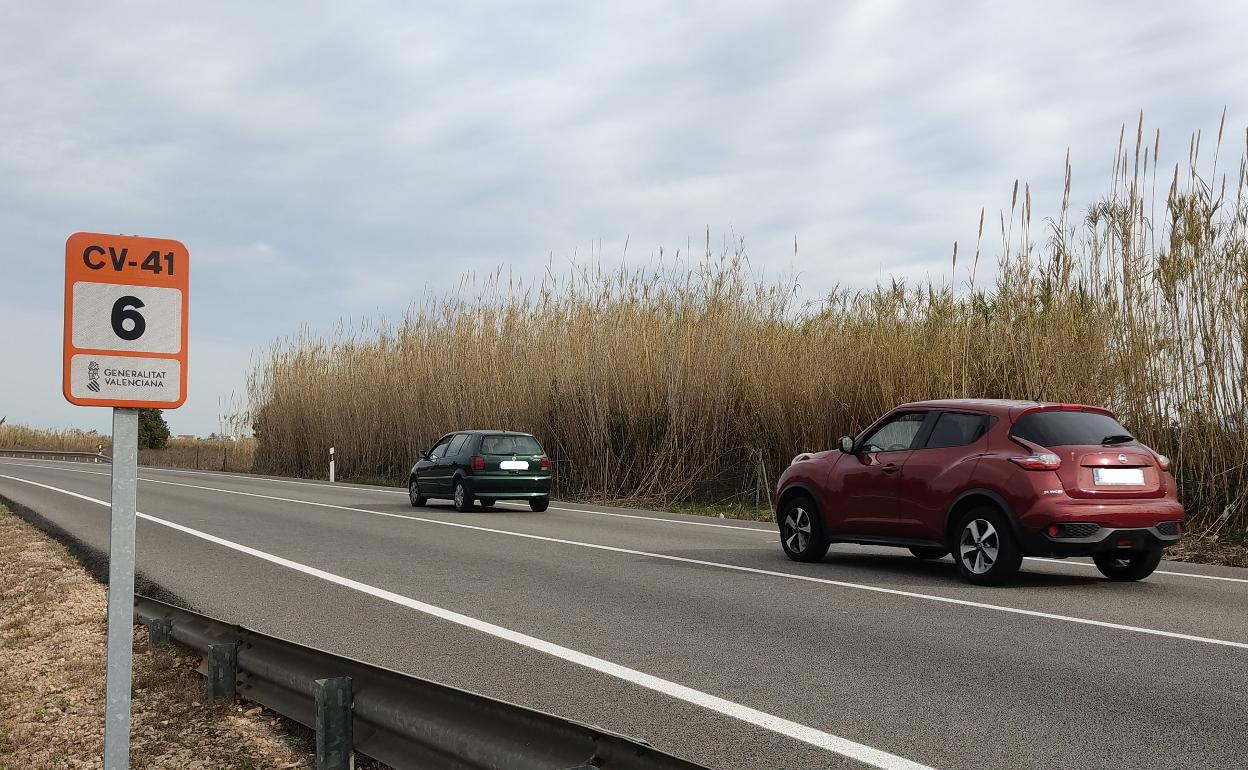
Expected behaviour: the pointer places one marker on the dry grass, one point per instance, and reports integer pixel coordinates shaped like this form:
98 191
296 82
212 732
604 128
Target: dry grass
697 383
209 454
52 642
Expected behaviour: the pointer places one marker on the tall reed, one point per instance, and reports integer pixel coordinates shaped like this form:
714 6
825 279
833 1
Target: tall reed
698 381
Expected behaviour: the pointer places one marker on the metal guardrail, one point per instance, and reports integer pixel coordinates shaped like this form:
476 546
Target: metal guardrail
401 720
55 454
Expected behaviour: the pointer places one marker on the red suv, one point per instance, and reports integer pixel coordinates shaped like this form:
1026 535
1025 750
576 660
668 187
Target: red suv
990 482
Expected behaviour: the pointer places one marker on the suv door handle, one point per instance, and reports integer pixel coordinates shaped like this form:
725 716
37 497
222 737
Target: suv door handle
890 468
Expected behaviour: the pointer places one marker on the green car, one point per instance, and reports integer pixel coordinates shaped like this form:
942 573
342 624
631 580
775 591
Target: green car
484 465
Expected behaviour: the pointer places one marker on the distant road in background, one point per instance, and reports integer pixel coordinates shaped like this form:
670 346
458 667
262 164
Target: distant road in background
697 635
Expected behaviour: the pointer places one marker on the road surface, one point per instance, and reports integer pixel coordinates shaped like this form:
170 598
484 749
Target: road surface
697 635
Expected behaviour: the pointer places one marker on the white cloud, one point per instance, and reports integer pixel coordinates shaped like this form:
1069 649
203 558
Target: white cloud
338 160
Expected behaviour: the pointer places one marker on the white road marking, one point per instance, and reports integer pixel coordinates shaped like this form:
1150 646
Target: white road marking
1061 562
719 565
833 743
384 490
755 530
1068 563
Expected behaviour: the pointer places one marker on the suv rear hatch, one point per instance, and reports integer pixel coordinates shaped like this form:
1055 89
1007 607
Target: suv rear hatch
1100 458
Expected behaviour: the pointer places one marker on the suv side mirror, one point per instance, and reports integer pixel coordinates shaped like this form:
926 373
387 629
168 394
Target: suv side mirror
846 444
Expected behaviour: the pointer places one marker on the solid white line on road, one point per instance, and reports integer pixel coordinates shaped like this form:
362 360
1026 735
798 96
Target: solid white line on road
834 743
721 565
755 530
1067 563
384 490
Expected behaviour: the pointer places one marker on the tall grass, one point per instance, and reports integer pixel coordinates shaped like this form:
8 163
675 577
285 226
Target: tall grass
698 381
208 454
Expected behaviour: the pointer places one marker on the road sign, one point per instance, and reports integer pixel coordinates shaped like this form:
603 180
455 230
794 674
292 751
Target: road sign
125 347
125 321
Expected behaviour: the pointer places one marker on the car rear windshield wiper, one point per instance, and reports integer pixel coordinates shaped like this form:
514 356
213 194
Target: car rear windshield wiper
1117 438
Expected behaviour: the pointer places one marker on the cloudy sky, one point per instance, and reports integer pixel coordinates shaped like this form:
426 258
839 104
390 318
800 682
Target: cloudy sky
340 160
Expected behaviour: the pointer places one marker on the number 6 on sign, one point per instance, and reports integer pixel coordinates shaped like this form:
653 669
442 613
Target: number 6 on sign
125 321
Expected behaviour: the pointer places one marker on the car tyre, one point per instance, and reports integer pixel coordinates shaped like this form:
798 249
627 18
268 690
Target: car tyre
1137 566
486 502
930 553
801 531
462 497
414 496
984 549
539 504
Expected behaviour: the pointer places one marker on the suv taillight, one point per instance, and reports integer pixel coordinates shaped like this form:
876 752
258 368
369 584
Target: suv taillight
1164 462
545 463
1040 461
478 463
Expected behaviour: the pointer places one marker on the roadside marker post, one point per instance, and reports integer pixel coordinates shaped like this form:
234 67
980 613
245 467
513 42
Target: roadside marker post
125 347
331 465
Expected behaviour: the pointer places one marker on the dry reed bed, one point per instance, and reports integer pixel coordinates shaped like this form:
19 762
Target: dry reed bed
697 383
209 454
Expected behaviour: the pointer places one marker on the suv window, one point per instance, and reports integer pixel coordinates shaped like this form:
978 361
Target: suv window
957 429
510 445
895 435
457 445
1066 428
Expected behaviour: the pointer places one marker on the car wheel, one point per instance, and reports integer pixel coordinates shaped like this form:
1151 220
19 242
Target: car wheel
539 504
929 553
984 548
486 502
1128 566
414 496
462 498
801 531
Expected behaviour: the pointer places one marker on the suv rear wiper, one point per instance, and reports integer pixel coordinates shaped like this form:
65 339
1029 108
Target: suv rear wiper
1117 438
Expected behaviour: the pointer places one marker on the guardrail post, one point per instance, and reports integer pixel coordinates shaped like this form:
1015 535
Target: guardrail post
158 631
222 670
335 749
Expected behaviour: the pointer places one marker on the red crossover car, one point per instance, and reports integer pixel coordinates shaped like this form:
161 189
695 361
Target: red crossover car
989 482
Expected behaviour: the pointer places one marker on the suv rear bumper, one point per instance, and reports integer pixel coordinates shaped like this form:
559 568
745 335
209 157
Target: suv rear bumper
1104 539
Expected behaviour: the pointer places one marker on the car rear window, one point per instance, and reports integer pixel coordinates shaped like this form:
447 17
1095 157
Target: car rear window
1067 428
510 445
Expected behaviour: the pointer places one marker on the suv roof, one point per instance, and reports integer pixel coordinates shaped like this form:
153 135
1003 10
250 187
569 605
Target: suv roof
998 406
491 432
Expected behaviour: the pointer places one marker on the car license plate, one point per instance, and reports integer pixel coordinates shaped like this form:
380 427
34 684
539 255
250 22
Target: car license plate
1118 476
514 465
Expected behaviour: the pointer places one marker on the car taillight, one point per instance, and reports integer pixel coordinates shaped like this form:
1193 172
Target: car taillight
1041 461
478 463
1164 462
545 463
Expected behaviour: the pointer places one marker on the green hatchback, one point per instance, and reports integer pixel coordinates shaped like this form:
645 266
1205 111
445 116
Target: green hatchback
485 466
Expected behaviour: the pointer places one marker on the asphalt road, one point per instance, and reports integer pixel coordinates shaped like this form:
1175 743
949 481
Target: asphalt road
697 635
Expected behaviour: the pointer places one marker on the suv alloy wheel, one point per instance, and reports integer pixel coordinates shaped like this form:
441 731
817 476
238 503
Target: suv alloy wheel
801 531
984 548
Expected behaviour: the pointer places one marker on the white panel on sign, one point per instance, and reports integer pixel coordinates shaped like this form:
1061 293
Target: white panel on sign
125 378
115 316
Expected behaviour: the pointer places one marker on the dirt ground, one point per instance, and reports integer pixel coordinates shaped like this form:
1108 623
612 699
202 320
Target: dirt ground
1203 550
52 645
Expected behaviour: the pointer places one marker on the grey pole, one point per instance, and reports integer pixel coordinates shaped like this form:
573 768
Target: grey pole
121 590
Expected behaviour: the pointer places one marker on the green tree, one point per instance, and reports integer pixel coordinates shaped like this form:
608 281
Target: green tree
153 431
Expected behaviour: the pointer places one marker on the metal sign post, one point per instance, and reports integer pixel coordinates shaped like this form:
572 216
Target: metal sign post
125 347
121 589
